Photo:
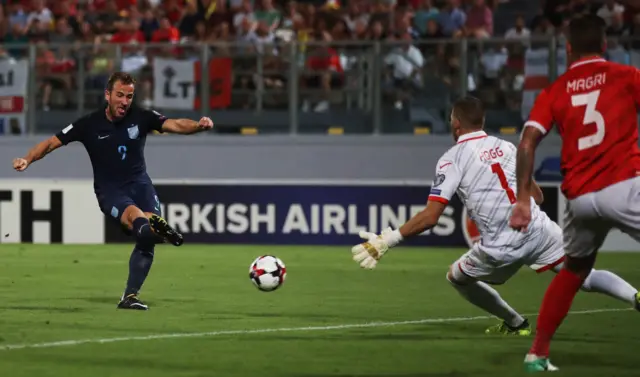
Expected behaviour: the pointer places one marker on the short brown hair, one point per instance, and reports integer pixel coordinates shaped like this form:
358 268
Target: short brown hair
469 111
123 77
587 34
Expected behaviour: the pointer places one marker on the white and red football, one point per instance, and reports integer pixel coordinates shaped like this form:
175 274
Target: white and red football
267 273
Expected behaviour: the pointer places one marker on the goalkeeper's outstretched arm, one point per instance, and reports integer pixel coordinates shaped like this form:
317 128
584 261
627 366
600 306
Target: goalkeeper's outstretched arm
424 220
368 253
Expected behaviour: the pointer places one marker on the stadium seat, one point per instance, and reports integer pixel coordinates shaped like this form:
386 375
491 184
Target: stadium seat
549 170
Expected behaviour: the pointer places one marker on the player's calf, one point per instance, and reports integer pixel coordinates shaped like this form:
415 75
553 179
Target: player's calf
143 232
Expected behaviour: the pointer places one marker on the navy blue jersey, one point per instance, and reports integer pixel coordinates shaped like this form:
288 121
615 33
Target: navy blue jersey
116 149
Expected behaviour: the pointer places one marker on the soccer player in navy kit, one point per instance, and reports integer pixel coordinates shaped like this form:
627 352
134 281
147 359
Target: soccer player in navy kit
114 138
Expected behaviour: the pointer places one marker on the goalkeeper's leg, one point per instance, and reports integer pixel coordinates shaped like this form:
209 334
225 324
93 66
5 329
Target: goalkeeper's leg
488 299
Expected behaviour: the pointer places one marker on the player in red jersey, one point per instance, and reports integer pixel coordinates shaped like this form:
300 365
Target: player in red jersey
593 105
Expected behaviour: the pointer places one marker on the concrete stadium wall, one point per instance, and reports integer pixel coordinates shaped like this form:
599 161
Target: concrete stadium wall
262 157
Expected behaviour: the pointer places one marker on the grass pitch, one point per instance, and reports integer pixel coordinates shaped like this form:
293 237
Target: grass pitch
58 316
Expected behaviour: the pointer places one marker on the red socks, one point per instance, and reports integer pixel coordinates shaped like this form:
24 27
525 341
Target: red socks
555 306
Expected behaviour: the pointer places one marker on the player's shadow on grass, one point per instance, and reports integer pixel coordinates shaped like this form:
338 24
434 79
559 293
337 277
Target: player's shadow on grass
43 308
309 316
98 300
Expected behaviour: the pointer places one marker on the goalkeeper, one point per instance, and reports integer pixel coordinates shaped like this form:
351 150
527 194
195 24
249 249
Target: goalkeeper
482 170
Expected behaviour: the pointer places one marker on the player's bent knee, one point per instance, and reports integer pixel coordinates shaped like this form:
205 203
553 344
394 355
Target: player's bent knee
130 214
455 279
586 284
580 266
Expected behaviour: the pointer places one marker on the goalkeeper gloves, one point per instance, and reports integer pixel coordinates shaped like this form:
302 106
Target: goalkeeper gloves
368 253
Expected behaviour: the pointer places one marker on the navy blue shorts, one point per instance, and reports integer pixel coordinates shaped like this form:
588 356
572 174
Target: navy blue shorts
140 194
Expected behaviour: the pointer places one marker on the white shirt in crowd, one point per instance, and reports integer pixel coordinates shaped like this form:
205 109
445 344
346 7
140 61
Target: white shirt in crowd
607 14
404 62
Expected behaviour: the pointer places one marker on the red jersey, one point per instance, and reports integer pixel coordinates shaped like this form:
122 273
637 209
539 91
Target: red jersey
593 105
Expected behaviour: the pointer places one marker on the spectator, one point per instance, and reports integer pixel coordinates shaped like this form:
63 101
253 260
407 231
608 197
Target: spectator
340 31
544 27
432 30
149 24
53 73
18 17
200 34
519 31
221 36
617 28
360 30
213 12
72 19
206 8
189 20
433 48
108 20
403 25
63 8
406 65
172 10
269 15
166 32
452 19
41 14
556 11
609 10
244 31
479 20
578 7
99 67
425 12
236 5
327 73
245 13
38 31
291 16
16 37
63 33
355 16
128 34
262 39
376 31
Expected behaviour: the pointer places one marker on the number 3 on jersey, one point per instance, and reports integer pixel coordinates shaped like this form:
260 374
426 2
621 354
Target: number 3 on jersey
497 169
591 115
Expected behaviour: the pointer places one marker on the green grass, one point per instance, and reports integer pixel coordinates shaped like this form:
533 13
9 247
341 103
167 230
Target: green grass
57 293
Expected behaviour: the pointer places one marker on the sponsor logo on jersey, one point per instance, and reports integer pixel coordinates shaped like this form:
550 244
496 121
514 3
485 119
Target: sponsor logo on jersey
469 229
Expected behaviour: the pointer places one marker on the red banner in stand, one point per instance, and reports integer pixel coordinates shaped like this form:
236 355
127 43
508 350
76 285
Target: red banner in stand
219 83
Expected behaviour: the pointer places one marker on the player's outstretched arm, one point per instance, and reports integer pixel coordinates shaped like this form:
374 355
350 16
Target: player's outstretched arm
368 253
36 153
187 126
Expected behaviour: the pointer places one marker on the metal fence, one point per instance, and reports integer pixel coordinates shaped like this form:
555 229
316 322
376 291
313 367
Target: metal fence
383 86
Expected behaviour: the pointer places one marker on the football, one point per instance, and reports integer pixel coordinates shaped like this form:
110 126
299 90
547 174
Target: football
267 273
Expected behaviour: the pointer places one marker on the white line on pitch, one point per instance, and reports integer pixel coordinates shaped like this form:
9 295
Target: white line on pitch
64 343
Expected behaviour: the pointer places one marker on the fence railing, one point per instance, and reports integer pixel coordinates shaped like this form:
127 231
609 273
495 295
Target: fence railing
374 86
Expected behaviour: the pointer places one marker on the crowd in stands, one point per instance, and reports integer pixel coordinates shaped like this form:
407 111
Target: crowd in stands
262 25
